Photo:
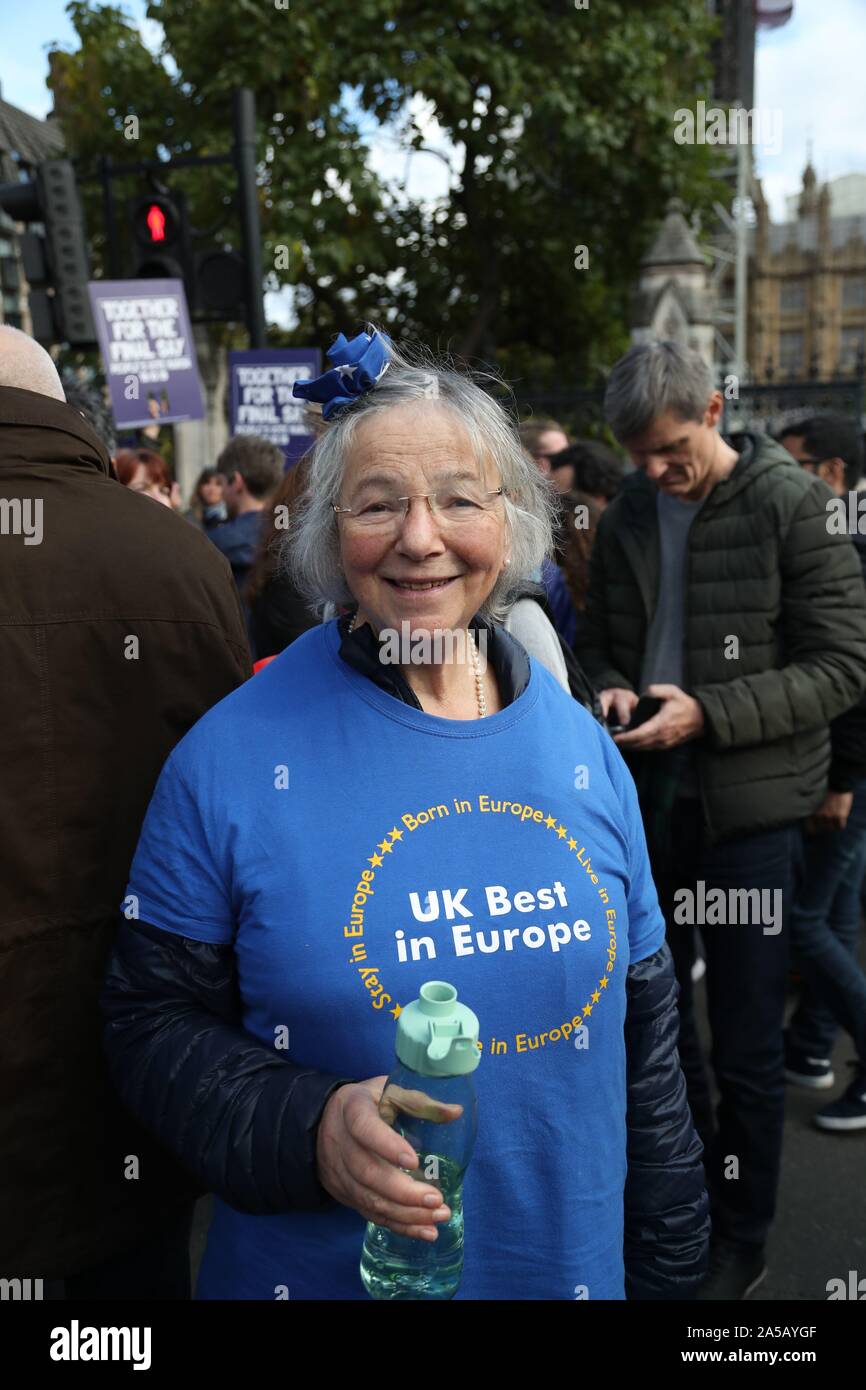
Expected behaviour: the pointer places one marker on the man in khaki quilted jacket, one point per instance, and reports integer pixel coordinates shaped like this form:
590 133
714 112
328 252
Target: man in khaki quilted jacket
719 590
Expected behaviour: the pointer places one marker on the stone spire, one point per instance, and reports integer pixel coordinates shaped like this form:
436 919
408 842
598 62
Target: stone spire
675 243
672 296
809 195
762 217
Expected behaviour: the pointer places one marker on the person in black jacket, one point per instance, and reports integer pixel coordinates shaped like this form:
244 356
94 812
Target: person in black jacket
277 920
825 924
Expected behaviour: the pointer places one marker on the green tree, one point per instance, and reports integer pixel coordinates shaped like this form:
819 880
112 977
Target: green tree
564 122
560 121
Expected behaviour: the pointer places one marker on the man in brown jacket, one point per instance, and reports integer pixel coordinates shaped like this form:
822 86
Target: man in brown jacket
119 627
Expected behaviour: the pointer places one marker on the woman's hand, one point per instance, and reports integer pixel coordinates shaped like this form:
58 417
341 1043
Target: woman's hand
358 1157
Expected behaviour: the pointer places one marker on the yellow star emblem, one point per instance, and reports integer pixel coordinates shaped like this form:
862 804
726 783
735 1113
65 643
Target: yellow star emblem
549 822
375 860
561 832
572 844
595 997
602 984
386 847
396 834
587 1010
396 1011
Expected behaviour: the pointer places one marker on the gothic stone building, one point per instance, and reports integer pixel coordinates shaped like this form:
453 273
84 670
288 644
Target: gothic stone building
807 289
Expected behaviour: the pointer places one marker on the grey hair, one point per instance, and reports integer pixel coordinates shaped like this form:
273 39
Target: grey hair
311 550
652 379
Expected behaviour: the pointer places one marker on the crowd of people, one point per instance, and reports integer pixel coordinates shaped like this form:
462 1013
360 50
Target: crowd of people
221 887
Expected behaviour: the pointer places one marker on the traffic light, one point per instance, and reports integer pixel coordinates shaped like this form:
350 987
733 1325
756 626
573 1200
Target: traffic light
160 233
162 238
55 262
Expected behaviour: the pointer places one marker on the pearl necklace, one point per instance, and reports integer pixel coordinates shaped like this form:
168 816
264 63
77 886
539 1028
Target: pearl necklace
480 696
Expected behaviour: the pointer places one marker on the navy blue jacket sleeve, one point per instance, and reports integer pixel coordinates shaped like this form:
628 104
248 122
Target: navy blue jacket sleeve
239 1116
667 1223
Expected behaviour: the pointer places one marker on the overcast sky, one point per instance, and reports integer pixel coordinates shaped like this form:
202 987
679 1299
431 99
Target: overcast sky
812 70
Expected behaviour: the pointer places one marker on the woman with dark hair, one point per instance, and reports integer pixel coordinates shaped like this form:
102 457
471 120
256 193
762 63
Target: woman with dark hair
278 611
597 471
575 536
207 508
598 475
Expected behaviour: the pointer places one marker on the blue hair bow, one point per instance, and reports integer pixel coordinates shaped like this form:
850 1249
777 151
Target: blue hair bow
358 365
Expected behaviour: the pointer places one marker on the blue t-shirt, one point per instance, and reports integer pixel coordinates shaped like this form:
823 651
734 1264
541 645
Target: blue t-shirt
352 847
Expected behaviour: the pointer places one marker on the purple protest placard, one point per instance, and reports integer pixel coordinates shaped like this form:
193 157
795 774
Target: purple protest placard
261 400
147 350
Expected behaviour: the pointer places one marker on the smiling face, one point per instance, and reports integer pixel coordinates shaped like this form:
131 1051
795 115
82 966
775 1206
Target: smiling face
411 449
678 455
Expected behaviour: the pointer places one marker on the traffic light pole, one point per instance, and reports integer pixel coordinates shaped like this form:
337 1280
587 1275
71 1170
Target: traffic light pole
243 160
111 246
244 109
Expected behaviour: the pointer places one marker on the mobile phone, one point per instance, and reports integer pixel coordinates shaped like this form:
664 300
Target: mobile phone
646 707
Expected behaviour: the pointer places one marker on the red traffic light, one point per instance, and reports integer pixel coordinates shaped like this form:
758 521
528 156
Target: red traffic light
160 234
155 222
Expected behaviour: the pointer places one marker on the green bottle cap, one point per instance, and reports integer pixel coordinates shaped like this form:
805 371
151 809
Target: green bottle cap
436 1036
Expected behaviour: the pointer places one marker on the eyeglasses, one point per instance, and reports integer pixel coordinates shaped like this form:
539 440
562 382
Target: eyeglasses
380 510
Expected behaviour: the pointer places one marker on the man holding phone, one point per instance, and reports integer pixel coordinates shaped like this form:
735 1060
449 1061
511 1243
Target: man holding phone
717 590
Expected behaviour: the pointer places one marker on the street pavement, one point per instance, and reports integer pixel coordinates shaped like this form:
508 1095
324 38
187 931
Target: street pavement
820 1228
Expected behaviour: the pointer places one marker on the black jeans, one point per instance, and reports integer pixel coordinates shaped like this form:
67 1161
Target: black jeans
825 933
747 965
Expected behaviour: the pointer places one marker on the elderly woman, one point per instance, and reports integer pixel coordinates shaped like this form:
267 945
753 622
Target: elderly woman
405 795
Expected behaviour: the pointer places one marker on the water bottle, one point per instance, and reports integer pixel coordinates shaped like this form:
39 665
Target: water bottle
437 1052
